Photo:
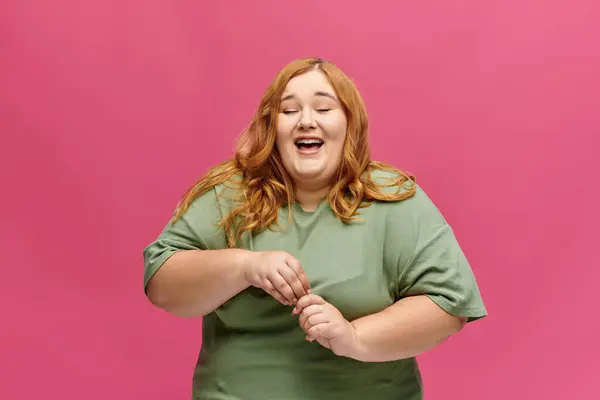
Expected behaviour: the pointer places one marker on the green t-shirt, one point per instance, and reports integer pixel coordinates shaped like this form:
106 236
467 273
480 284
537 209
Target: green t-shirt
253 349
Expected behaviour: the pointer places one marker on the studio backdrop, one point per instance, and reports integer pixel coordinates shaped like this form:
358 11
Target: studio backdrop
110 109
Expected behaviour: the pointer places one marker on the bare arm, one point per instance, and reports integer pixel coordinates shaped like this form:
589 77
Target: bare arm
194 283
406 329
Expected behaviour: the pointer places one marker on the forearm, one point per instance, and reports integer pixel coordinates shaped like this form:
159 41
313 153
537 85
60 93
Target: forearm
196 282
406 329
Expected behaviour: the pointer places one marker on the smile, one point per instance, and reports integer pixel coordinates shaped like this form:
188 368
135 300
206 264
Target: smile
308 145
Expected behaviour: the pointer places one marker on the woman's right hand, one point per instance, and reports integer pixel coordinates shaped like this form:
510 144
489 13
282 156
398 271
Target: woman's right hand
277 273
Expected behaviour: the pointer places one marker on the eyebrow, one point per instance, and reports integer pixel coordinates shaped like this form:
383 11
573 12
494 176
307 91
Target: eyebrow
317 93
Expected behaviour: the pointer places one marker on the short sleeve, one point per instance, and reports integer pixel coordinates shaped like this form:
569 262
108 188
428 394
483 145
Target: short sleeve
197 229
433 263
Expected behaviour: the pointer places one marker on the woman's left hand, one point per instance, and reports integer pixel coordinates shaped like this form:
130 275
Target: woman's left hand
324 323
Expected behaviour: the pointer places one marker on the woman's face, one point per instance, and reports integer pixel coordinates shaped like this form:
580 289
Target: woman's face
311 129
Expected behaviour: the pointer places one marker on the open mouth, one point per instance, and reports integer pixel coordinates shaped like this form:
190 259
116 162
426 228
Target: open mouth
309 144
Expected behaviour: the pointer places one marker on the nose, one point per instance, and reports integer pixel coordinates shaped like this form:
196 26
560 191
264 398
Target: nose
307 120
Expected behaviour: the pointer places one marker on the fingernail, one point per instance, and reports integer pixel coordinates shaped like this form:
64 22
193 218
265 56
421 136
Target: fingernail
295 300
294 311
309 291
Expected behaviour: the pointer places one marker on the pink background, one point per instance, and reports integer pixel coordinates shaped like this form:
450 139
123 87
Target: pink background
110 109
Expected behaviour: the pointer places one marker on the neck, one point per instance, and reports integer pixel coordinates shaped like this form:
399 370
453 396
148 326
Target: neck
309 198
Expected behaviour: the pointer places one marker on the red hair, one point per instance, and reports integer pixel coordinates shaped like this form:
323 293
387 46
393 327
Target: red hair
265 185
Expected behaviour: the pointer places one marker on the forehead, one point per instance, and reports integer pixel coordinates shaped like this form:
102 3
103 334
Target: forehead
308 83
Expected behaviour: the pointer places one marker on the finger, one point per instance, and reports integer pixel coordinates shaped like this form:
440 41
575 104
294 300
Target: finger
292 279
309 311
269 288
306 301
295 265
323 342
282 286
319 331
315 320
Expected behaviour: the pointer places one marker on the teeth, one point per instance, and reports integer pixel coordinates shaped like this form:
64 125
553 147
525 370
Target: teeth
309 141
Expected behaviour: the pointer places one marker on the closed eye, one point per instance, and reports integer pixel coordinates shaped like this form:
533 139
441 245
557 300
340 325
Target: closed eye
323 110
289 111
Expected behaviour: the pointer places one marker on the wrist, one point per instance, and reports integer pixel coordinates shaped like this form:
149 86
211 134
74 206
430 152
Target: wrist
357 350
244 262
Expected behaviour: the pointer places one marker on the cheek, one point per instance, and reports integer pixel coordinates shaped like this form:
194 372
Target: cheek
336 128
280 141
284 133
283 146
338 139
337 151
338 142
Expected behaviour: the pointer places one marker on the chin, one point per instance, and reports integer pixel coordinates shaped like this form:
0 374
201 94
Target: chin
307 174
304 175
303 169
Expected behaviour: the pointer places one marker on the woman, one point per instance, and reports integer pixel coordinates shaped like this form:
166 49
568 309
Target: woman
320 274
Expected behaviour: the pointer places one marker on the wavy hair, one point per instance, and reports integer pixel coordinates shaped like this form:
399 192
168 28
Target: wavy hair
264 186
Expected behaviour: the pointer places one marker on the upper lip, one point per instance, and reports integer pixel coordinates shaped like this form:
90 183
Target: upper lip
308 137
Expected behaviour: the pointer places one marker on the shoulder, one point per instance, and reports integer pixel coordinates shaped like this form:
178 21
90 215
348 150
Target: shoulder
393 183
391 180
220 199
214 190
414 208
231 190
